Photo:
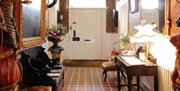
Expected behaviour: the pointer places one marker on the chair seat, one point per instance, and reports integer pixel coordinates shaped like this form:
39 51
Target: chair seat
109 66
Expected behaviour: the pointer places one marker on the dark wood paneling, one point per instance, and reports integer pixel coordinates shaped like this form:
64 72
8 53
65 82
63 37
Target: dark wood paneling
64 4
110 26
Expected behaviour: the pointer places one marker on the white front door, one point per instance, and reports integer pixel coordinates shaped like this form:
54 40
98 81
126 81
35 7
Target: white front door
85 24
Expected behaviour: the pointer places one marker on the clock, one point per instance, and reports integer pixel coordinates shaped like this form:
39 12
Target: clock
50 3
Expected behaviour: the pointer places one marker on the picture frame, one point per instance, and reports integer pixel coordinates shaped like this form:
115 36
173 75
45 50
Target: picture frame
38 35
134 6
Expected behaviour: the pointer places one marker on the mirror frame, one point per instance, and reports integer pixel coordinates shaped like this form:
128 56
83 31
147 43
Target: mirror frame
51 4
34 41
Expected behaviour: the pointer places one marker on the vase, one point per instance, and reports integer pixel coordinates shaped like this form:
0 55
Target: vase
55 49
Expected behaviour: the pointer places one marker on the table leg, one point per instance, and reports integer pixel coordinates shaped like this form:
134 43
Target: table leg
129 83
137 80
156 83
118 77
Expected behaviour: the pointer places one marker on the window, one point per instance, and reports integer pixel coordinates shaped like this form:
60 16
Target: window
150 4
87 3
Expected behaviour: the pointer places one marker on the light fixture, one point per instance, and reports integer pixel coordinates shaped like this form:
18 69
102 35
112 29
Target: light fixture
26 2
145 34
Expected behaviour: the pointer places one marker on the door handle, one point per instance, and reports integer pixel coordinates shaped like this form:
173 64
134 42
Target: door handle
74 33
87 40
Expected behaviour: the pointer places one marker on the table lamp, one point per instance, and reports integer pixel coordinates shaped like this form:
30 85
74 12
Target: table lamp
145 34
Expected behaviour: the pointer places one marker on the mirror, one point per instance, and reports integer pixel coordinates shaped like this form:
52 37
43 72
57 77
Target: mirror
153 12
33 23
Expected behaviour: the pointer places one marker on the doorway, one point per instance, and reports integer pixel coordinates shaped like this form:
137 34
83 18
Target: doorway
85 34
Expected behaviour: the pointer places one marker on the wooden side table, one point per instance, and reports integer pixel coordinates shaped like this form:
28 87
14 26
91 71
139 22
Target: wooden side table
134 67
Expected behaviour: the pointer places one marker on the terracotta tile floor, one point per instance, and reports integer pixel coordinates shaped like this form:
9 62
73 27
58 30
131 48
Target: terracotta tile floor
88 79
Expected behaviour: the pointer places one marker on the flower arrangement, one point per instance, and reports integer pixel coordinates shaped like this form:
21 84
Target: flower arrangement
126 47
55 34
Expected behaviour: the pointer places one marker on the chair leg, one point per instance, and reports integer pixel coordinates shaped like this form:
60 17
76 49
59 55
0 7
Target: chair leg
104 74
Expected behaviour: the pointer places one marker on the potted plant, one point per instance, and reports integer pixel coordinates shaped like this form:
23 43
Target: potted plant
126 47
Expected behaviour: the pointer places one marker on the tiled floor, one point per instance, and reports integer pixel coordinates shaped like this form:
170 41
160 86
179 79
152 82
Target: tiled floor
88 79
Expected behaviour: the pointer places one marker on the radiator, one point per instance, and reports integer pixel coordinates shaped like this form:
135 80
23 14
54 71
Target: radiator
165 83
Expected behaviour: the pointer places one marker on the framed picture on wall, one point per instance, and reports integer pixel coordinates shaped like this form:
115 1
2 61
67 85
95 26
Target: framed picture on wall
134 6
33 23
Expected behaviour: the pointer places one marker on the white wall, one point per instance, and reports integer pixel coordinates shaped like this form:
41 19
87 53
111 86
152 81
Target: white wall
52 15
108 41
165 52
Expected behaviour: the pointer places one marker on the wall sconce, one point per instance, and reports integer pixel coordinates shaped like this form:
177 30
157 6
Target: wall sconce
26 2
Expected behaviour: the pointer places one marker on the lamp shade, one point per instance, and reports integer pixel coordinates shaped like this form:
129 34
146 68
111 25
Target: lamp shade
145 33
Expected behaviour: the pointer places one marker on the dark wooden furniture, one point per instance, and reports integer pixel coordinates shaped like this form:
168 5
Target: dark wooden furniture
57 74
135 67
35 73
108 66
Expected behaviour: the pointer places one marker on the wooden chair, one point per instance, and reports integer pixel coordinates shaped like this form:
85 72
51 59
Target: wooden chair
108 66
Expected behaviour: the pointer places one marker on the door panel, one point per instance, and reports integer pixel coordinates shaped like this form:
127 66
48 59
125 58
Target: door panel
88 26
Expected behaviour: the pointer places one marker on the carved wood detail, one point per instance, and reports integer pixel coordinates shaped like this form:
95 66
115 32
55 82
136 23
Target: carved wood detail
6 52
174 14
